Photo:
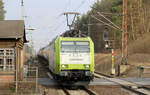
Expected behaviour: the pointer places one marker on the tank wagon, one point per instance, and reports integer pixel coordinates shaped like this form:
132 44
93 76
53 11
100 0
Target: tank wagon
71 58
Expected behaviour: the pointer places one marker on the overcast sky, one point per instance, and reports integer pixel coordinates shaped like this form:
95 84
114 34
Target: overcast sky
45 16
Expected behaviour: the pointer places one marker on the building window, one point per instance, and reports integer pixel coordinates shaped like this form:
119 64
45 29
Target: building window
1 64
6 59
9 64
1 52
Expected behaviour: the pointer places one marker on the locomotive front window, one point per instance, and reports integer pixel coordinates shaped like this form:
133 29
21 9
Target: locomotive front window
75 46
67 46
82 46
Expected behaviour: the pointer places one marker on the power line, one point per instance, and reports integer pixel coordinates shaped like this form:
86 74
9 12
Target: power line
110 21
58 26
67 6
80 5
103 22
64 9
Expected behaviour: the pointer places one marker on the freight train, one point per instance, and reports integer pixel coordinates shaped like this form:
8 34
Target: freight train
70 58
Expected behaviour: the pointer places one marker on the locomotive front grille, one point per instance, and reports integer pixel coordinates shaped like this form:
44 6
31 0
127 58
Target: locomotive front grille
76 73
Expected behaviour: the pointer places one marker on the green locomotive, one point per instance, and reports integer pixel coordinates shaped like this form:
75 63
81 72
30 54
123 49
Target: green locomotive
71 58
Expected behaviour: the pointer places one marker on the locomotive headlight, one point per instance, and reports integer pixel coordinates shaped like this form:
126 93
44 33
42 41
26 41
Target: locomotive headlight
64 66
87 66
88 73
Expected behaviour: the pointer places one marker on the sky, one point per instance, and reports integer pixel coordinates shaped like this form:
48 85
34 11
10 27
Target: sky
45 16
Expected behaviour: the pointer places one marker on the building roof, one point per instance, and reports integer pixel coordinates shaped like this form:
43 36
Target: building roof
12 29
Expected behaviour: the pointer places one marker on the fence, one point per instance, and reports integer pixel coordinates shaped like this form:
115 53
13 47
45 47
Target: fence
29 83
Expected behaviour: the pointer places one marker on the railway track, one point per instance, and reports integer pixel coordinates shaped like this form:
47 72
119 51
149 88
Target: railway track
131 86
82 90
90 92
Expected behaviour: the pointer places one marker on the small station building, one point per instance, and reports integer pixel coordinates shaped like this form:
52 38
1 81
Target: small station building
12 39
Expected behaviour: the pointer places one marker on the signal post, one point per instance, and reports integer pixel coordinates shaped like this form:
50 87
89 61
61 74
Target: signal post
113 63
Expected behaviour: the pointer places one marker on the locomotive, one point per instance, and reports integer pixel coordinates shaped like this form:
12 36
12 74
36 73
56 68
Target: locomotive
71 58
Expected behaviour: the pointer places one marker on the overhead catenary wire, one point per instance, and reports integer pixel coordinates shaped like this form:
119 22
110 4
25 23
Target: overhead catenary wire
66 8
67 5
112 14
124 48
109 21
80 5
55 19
103 22
56 27
88 1
60 15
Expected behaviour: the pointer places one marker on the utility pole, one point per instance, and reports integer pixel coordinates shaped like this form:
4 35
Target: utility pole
22 9
125 32
89 26
16 73
31 41
132 21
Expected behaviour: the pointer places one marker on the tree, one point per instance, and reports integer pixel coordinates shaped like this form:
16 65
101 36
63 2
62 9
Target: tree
138 20
2 11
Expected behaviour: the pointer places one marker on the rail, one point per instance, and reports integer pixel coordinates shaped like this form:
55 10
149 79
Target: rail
90 92
136 88
83 88
67 92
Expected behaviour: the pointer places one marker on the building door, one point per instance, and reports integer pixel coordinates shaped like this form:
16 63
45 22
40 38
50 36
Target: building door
7 56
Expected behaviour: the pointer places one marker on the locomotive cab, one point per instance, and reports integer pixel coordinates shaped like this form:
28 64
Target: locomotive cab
71 58
76 62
